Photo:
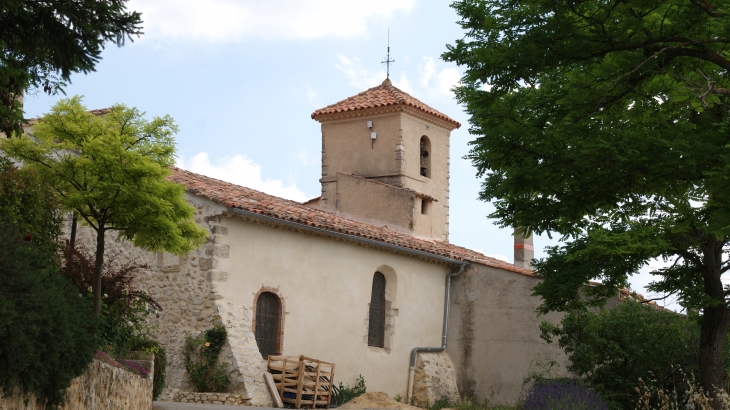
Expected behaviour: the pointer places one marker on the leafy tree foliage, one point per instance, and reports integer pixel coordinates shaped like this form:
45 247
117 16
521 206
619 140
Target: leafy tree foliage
612 349
607 123
43 42
30 208
125 309
112 171
122 325
48 332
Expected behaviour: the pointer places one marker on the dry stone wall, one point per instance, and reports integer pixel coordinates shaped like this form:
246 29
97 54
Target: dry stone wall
187 289
434 379
230 399
101 387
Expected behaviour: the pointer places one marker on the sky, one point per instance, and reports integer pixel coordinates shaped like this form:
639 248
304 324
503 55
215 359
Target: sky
241 79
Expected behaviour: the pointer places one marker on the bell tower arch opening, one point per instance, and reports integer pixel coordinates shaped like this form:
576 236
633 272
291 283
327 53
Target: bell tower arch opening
425 147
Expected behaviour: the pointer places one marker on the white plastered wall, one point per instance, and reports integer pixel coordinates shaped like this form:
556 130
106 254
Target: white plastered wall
326 286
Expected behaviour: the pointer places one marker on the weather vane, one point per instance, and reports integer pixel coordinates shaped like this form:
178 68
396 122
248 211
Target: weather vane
387 60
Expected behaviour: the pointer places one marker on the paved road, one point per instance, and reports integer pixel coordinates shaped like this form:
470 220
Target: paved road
168 405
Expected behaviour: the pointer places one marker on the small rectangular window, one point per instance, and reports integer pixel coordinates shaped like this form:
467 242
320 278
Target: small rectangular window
424 206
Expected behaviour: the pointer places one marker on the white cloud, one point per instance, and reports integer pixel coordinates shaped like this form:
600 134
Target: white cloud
242 171
311 95
403 83
360 77
448 78
427 69
437 82
498 256
237 20
302 156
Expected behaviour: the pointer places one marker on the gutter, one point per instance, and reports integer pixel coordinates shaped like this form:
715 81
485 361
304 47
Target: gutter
447 295
444 334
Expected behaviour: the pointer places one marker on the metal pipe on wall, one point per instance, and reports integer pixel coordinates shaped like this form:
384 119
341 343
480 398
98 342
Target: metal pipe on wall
444 335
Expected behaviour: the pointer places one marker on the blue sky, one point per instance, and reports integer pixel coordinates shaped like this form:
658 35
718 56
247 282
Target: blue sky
241 79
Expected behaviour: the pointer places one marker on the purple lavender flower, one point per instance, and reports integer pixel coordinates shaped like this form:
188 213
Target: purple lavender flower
135 368
563 395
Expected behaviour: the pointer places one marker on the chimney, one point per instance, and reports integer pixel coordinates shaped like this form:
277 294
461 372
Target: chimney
524 251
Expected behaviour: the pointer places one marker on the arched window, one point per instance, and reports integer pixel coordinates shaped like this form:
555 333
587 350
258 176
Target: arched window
376 317
268 320
425 157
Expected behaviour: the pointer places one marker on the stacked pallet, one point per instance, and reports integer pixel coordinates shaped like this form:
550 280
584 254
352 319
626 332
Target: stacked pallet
302 381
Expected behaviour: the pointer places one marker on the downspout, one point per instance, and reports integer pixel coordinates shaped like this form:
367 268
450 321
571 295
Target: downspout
416 350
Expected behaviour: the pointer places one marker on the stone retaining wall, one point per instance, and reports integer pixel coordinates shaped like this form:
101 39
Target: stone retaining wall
101 387
231 399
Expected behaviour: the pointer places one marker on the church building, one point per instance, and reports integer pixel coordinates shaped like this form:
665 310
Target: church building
362 276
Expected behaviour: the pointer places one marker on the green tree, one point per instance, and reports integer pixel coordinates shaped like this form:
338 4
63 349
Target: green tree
48 333
29 207
112 171
606 122
612 349
43 42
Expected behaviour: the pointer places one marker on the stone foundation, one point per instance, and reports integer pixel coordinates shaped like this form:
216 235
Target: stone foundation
231 399
434 379
101 387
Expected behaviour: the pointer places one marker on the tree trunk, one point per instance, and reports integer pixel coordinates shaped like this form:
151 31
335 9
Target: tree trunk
96 285
715 324
713 336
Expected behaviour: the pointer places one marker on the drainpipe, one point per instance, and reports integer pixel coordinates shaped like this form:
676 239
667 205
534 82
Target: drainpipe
416 350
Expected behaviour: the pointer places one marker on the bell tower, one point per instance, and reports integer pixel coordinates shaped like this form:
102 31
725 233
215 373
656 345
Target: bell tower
385 161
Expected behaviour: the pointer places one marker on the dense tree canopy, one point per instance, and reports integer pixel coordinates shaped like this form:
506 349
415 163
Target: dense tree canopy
606 122
43 42
48 332
112 170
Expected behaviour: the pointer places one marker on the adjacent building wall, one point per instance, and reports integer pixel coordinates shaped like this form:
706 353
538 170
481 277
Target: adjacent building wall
494 334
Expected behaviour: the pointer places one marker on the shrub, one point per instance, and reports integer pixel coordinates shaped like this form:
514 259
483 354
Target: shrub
653 397
201 358
47 330
612 349
28 207
160 375
123 320
563 395
347 393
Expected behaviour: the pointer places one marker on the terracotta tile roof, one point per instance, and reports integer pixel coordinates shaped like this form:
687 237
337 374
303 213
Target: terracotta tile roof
383 95
236 196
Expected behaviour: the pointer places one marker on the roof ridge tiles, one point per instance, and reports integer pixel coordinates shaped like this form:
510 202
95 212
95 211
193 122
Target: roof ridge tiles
382 95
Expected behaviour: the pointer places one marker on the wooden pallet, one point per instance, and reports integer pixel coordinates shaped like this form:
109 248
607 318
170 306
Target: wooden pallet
302 381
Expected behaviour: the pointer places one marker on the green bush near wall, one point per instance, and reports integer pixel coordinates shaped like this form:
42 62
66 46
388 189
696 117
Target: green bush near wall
612 349
47 330
201 360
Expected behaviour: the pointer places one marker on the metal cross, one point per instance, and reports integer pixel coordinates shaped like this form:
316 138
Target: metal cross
387 60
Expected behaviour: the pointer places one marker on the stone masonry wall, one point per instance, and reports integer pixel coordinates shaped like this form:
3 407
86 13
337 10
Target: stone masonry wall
434 379
186 288
101 387
230 399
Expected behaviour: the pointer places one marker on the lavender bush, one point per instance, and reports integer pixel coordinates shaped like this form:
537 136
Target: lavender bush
563 395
